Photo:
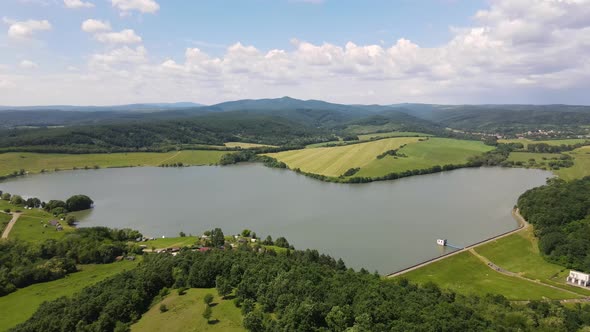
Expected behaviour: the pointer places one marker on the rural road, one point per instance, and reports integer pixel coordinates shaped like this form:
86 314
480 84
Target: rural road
10 224
515 213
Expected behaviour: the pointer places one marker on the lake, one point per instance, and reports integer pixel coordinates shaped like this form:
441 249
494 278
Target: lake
383 226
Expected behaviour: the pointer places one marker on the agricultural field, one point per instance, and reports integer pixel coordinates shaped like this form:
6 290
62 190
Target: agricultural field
556 142
334 161
184 314
20 305
464 273
247 145
35 162
581 166
434 151
366 137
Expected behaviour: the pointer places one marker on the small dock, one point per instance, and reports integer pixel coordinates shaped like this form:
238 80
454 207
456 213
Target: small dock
445 243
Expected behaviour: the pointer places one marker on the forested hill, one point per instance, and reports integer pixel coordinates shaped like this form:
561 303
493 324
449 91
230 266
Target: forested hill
560 212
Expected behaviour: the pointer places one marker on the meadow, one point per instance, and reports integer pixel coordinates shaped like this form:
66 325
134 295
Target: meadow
36 162
185 314
555 142
334 161
20 305
366 137
425 154
581 166
524 157
464 273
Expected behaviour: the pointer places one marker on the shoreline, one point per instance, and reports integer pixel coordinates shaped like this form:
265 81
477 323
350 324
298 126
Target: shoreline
522 224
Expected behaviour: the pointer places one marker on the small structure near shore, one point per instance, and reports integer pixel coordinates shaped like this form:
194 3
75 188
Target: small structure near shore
441 242
578 279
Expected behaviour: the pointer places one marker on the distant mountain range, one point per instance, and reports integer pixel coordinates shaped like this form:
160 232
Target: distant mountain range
313 113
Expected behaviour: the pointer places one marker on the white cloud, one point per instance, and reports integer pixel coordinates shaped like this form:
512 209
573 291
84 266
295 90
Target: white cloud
515 51
26 29
143 6
78 4
126 36
28 64
92 26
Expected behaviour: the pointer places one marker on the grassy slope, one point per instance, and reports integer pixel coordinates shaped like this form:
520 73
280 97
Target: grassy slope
435 151
171 242
466 274
334 161
526 142
35 162
29 226
520 253
581 166
20 305
185 314
4 219
525 156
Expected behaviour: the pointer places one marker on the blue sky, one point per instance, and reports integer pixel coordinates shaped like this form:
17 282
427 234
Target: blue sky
440 51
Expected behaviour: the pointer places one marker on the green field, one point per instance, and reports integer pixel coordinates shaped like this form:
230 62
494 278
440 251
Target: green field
184 314
35 162
581 166
466 274
366 137
434 151
171 242
20 305
333 161
526 141
528 262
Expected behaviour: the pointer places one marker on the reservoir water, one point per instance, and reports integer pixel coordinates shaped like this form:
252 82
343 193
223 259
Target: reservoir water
383 226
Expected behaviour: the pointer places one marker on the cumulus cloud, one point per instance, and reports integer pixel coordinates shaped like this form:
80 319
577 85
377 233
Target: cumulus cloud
92 26
516 51
127 36
26 29
28 64
78 4
142 6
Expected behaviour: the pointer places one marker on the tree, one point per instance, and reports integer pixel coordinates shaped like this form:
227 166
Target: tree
247 306
52 204
217 237
182 234
268 241
71 220
253 321
223 286
163 308
208 299
17 200
282 242
246 233
79 203
5 196
207 313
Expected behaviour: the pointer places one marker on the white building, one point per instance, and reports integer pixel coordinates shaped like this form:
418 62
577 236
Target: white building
441 242
579 279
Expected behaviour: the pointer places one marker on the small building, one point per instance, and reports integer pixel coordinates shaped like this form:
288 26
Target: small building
578 279
441 242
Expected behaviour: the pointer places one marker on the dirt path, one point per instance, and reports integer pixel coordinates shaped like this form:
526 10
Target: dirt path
10 224
174 156
515 213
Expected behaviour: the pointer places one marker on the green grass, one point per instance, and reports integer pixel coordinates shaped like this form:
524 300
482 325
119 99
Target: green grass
17 307
4 219
519 253
35 162
434 151
526 142
171 242
32 229
334 161
581 166
466 274
526 156
366 137
185 314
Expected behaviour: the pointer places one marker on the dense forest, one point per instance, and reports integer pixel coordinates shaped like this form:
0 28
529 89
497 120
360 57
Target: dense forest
560 212
297 291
